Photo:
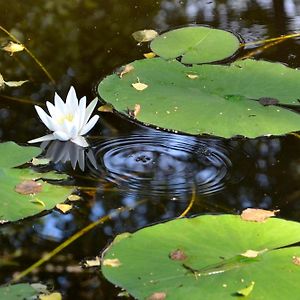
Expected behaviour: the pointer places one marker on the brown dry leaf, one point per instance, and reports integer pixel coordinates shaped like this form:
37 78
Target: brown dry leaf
126 69
257 215
74 198
157 296
106 108
296 260
114 262
64 207
13 47
52 296
139 86
253 253
145 35
192 76
92 262
149 55
28 187
178 255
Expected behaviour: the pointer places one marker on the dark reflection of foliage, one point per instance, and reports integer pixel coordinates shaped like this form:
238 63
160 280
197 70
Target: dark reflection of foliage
81 41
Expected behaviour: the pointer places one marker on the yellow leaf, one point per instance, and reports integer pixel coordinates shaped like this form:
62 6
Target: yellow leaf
53 296
192 76
139 86
145 35
126 69
13 47
253 253
149 55
74 198
106 108
111 262
247 290
64 207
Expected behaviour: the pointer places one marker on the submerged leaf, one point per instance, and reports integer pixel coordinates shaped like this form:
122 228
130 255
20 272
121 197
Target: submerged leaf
257 215
145 35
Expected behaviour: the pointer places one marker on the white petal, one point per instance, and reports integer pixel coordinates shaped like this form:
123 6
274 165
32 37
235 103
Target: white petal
87 127
81 111
80 141
60 135
59 104
45 118
72 101
48 137
90 109
52 110
69 128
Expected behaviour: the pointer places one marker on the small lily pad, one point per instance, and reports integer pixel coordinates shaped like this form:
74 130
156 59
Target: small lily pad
196 44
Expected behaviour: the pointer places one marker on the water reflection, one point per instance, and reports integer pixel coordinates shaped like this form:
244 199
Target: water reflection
63 152
152 163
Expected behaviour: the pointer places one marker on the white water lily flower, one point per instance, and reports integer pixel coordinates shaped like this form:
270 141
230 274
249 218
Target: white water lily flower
69 121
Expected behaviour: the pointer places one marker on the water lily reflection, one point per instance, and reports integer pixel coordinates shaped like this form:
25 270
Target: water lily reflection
69 121
63 152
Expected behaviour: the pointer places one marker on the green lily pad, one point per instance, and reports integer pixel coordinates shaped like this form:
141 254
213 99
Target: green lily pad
25 192
18 292
208 99
12 155
195 44
206 258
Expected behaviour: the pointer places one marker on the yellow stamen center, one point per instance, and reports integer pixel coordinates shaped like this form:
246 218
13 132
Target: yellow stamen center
67 117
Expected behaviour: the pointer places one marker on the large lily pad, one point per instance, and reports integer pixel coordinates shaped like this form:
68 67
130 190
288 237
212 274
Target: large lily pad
208 99
195 44
25 192
207 258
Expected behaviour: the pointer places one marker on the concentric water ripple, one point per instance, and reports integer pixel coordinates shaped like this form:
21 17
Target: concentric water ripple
157 162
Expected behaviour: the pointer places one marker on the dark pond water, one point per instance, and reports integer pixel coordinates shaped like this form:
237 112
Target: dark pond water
80 42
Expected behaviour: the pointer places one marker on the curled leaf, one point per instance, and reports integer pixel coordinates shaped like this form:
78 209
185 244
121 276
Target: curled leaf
114 262
125 70
13 47
145 35
28 187
257 215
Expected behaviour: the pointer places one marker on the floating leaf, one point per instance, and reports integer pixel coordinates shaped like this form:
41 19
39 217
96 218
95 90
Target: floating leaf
18 292
221 102
145 35
213 269
125 70
13 47
64 207
195 44
257 215
149 55
92 262
52 296
246 291
28 187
